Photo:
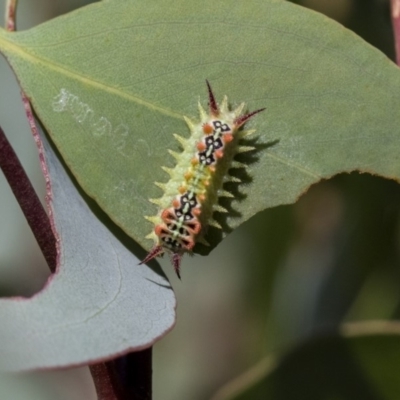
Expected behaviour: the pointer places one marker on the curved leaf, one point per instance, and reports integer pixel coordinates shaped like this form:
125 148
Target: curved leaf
99 304
112 82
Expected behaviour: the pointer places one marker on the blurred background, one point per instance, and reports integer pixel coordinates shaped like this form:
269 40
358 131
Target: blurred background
290 272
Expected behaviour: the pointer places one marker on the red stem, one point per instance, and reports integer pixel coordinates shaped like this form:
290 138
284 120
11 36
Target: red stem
102 382
131 375
395 13
10 15
29 202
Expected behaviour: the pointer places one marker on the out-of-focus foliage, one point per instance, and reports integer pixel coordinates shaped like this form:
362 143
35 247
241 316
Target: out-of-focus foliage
335 257
328 366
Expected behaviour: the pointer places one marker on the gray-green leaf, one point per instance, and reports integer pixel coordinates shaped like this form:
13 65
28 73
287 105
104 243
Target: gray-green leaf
99 304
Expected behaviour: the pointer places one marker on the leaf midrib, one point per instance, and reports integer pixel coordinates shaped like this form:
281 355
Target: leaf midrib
23 53
10 48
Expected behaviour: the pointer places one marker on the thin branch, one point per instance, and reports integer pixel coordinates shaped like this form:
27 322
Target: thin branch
11 6
28 200
131 375
396 27
102 382
125 378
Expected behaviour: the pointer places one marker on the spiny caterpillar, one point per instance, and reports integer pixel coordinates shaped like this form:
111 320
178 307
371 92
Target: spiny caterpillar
191 195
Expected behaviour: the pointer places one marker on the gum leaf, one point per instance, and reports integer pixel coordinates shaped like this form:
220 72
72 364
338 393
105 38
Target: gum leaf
112 81
99 304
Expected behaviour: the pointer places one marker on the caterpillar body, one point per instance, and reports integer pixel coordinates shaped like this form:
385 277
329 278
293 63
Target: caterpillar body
196 182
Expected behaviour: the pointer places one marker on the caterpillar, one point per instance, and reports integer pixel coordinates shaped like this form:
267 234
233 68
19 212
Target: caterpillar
196 182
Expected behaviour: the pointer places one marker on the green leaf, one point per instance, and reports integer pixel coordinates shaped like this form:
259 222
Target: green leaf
112 81
360 363
99 304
